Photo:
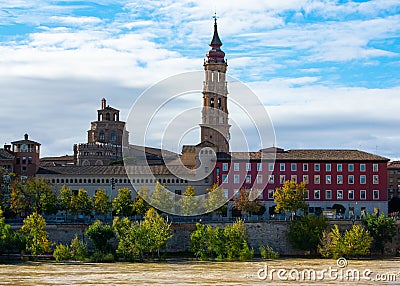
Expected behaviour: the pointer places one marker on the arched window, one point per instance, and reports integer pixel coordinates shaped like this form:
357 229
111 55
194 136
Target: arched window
101 137
115 117
212 102
113 137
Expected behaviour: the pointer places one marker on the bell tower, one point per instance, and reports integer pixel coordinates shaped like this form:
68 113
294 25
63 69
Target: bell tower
214 126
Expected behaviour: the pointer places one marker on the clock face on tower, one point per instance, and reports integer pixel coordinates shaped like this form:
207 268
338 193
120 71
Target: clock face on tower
24 148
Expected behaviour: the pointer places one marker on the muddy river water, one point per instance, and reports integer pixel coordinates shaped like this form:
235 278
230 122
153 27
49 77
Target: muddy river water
277 272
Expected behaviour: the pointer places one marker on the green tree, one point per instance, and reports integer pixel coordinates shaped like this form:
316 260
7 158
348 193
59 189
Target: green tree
123 203
157 229
244 204
78 248
132 239
199 241
5 189
305 233
101 202
355 242
236 239
381 228
33 195
62 252
6 235
162 198
82 202
66 200
216 199
36 237
189 203
291 197
100 234
140 204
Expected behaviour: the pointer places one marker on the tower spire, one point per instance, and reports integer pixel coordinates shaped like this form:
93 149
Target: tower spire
215 54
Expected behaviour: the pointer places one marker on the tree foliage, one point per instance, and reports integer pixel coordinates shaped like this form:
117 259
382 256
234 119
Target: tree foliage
162 198
291 197
353 242
381 228
190 204
305 233
62 252
36 237
100 234
216 199
101 202
244 204
82 202
222 243
33 195
78 248
122 204
136 239
6 234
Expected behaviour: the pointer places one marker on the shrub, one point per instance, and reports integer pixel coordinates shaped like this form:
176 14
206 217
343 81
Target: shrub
99 256
62 252
266 252
79 249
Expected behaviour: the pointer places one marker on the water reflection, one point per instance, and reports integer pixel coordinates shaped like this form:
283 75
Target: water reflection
182 272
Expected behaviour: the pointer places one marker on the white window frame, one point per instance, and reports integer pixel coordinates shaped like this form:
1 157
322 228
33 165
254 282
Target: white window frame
361 179
375 179
339 198
293 167
328 179
224 166
317 197
271 179
339 167
363 167
373 195
326 194
305 179
363 198
259 166
348 179
375 167
225 178
328 167
236 166
259 179
270 166
282 167
348 195
236 178
317 167
305 167
248 166
339 179
270 194
282 179
350 167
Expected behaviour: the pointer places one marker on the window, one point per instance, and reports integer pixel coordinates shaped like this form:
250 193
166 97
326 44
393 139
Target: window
375 179
328 167
271 179
270 166
293 167
339 195
293 178
328 179
282 179
101 137
376 194
224 178
351 179
305 167
236 166
351 167
226 193
236 193
305 179
350 195
113 137
259 166
270 194
317 194
282 167
317 179
317 167
236 179
29 160
23 160
375 167
363 179
206 180
307 194
259 179
248 166
205 169
339 167
340 179
225 167
17 161
362 167
248 179
328 194
363 194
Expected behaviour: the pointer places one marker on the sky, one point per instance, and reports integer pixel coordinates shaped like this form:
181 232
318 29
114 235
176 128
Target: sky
327 72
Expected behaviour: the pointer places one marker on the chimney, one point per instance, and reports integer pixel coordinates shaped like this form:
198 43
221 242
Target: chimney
103 103
7 147
26 136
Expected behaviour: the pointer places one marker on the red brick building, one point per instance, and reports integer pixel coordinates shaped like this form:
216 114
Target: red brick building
354 179
26 157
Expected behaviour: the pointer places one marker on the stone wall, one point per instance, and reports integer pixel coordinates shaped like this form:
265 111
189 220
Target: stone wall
273 233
